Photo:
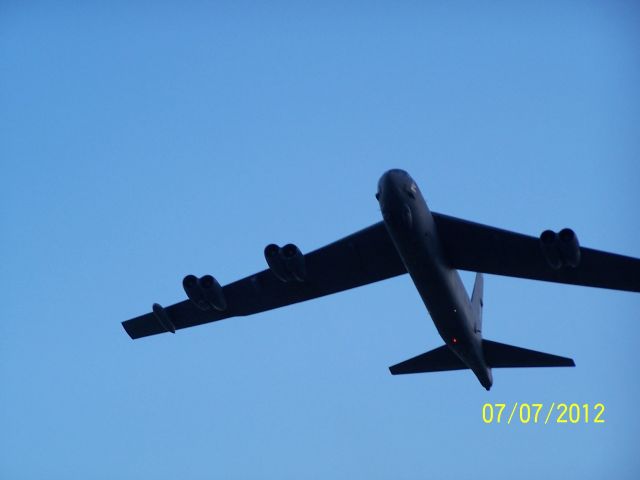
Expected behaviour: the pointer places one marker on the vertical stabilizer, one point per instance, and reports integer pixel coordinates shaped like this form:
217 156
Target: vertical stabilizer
476 302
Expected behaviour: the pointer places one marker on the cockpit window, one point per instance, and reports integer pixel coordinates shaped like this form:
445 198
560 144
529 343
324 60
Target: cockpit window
412 190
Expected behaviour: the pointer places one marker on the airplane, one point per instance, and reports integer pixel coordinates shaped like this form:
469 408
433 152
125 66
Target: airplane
430 247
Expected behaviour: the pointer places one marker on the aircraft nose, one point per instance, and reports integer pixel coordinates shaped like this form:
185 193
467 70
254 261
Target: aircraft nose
395 174
390 181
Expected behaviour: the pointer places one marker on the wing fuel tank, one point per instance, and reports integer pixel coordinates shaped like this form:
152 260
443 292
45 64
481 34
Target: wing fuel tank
163 318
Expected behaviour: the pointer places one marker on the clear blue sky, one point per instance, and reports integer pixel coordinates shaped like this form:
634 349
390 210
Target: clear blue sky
141 141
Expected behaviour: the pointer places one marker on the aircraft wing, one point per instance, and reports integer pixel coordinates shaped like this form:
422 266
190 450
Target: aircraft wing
364 257
369 256
480 248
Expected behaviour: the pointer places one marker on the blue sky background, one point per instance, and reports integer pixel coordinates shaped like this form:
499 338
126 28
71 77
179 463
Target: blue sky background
141 141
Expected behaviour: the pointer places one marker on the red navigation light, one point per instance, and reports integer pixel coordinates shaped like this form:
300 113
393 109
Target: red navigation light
454 340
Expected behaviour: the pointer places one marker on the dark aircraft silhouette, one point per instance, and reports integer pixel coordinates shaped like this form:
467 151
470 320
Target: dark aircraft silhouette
430 247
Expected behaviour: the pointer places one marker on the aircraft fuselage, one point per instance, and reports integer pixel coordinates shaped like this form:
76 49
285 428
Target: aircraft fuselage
413 232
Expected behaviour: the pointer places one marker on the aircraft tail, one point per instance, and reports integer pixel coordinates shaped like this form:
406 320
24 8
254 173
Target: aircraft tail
438 360
501 355
496 355
476 301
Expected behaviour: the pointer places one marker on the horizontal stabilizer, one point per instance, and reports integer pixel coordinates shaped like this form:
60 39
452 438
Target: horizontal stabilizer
438 360
500 355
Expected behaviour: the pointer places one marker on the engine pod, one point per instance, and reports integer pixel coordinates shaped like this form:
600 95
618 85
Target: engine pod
163 318
194 292
569 247
549 246
294 262
275 260
287 263
212 292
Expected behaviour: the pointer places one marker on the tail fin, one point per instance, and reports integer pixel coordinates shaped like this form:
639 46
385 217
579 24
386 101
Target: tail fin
501 355
496 355
438 360
476 302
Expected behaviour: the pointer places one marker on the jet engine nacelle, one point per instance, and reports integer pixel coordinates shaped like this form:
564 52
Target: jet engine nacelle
205 292
560 249
194 293
569 247
549 244
286 263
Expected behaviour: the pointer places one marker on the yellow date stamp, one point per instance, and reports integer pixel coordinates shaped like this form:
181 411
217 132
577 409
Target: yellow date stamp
526 413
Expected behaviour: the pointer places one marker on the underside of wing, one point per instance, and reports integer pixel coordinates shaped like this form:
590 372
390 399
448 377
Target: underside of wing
481 248
364 257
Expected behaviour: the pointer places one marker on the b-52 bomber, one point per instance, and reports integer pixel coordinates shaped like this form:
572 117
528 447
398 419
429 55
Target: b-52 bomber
430 247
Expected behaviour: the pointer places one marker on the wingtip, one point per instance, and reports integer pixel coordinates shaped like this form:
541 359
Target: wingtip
125 325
